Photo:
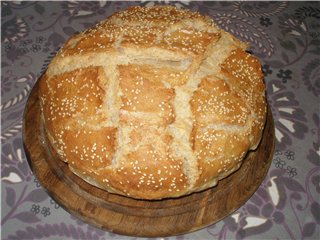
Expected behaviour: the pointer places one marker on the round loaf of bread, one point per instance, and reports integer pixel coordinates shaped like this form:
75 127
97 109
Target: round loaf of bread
153 102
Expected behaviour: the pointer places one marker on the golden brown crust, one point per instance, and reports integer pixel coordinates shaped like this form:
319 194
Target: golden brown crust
215 103
153 103
142 94
244 75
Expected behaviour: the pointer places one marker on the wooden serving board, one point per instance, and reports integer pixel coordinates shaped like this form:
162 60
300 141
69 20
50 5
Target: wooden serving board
133 217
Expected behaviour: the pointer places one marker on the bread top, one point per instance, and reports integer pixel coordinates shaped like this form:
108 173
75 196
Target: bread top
153 102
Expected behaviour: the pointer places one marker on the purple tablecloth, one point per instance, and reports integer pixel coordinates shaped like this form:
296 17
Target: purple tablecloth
284 35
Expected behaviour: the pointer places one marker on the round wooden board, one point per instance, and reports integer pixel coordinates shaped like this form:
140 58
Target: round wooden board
133 217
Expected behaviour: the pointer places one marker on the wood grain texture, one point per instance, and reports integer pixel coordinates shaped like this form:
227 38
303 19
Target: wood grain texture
133 217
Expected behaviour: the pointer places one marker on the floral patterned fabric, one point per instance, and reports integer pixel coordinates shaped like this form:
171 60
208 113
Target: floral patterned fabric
284 35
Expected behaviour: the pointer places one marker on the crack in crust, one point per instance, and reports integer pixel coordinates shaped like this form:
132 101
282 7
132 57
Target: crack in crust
153 103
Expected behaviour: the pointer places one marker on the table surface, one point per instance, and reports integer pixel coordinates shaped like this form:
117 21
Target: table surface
284 35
